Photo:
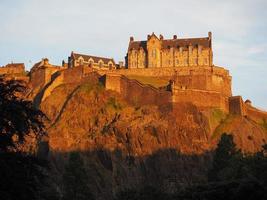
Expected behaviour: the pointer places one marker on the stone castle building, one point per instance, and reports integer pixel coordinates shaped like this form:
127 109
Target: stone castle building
159 52
94 62
13 68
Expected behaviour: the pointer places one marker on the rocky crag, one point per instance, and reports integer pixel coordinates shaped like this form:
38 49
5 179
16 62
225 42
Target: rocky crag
126 145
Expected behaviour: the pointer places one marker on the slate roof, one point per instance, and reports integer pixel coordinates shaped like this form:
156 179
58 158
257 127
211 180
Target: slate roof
175 43
95 58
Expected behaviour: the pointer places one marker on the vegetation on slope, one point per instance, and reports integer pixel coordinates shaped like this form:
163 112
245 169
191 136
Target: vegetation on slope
154 81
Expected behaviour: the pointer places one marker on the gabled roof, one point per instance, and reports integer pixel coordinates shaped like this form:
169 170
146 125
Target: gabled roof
95 58
175 43
137 45
205 42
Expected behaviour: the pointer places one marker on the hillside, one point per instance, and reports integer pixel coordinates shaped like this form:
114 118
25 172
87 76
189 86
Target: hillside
125 146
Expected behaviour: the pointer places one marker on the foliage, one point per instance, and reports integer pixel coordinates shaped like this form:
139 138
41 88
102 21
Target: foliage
21 175
18 117
226 160
75 179
112 102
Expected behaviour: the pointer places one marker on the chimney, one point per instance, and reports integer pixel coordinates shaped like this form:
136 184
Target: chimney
210 35
148 37
131 39
161 37
174 37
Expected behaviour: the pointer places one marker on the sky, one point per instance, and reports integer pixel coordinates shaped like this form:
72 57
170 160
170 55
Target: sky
34 29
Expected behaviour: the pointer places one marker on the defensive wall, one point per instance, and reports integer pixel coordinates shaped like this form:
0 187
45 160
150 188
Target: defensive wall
204 87
135 92
201 98
238 107
13 68
70 75
167 71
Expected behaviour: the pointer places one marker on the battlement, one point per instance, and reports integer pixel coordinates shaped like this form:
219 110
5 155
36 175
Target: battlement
12 68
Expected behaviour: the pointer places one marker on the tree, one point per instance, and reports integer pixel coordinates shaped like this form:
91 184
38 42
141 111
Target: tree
75 179
227 160
22 175
18 117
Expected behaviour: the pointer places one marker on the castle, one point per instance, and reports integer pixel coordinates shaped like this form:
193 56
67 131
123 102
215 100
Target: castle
160 52
185 64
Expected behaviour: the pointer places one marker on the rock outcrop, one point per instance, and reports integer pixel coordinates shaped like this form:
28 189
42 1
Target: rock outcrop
126 146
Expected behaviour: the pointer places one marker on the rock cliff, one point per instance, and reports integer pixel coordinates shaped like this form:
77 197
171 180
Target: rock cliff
126 146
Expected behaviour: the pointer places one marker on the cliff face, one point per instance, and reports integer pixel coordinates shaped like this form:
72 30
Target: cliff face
126 146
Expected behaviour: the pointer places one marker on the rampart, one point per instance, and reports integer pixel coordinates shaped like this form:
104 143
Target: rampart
201 98
135 92
167 71
238 107
13 68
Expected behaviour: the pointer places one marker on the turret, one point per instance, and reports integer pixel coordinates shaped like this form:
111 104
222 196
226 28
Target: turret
131 39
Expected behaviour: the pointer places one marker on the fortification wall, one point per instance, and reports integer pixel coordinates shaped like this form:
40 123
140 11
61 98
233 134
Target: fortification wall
72 74
135 92
12 69
168 72
37 78
255 114
201 98
236 106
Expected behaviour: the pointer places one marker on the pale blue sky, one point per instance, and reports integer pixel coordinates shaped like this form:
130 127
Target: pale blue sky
33 29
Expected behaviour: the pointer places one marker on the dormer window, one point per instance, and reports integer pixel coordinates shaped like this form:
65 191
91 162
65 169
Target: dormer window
100 64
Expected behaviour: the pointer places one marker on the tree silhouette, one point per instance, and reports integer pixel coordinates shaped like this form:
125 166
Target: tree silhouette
18 117
226 159
75 179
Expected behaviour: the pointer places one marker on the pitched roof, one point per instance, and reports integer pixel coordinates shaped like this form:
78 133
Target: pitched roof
137 45
205 42
95 58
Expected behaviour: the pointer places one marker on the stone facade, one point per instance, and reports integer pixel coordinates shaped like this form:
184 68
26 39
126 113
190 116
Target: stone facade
12 68
94 62
159 52
43 72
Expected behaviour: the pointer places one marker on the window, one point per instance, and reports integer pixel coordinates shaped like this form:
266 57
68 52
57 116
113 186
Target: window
186 61
177 62
181 50
195 61
100 63
154 53
206 61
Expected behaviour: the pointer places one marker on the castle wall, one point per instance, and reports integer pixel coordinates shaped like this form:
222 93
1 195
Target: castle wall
201 98
12 69
168 72
236 106
135 92
72 74
255 114
37 78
